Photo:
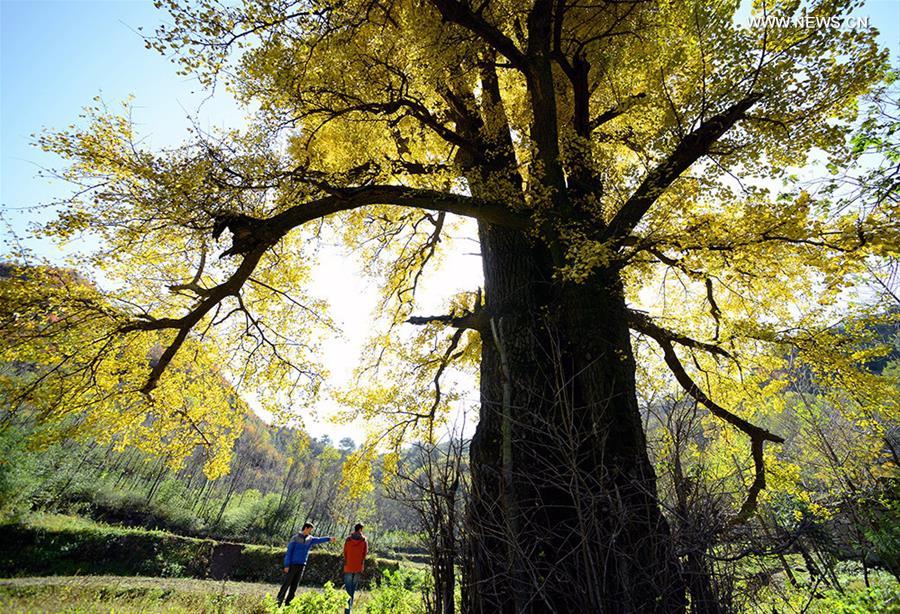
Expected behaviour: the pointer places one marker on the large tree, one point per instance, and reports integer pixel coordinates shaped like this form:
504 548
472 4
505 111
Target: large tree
596 144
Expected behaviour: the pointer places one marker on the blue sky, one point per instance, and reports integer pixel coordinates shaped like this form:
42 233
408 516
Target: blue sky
55 57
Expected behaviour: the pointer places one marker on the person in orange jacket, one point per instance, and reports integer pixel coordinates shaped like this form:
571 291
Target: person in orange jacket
355 549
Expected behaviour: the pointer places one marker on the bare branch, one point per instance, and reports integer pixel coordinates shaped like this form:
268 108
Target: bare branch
445 360
194 284
478 319
183 325
472 321
713 306
253 237
758 435
644 324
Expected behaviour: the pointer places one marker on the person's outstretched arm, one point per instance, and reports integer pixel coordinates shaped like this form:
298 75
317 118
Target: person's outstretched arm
322 540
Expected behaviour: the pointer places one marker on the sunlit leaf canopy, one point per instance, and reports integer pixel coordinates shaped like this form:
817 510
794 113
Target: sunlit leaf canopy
679 169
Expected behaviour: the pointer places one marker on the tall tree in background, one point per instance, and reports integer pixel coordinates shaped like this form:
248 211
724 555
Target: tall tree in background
598 146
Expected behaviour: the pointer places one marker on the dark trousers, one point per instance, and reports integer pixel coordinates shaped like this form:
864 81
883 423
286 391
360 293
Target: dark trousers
291 580
351 582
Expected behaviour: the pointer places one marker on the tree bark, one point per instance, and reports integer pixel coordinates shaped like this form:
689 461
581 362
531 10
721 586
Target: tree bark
563 512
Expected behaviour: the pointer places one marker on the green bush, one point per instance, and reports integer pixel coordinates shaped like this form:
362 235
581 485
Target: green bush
883 531
399 592
256 517
251 517
130 508
16 475
873 600
265 564
30 550
327 601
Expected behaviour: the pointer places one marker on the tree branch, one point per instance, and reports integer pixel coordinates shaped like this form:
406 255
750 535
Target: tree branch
642 323
477 319
253 237
473 321
445 360
460 13
615 111
194 284
183 325
249 232
691 148
758 435
714 310
352 198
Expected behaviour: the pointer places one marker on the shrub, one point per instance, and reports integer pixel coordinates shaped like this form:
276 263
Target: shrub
16 475
131 508
874 600
327 601
264 564
398 592
256 517
883 531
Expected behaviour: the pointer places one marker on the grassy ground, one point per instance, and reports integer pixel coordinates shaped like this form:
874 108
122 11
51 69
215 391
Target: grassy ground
131 595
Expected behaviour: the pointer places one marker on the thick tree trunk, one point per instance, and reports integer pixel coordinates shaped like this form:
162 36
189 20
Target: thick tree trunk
563 511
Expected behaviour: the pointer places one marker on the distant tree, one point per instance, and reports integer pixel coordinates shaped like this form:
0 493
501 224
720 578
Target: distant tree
431 483
346 445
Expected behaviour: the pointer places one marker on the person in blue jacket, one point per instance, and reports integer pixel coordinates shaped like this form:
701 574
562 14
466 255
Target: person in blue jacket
295 561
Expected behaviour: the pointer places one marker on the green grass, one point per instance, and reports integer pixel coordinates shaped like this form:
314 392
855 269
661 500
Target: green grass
132 595
812 597
95 594
62 522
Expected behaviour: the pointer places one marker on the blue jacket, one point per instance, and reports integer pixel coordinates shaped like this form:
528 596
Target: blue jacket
298 548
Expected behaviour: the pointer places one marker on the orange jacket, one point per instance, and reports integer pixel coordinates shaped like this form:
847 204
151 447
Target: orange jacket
355 549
